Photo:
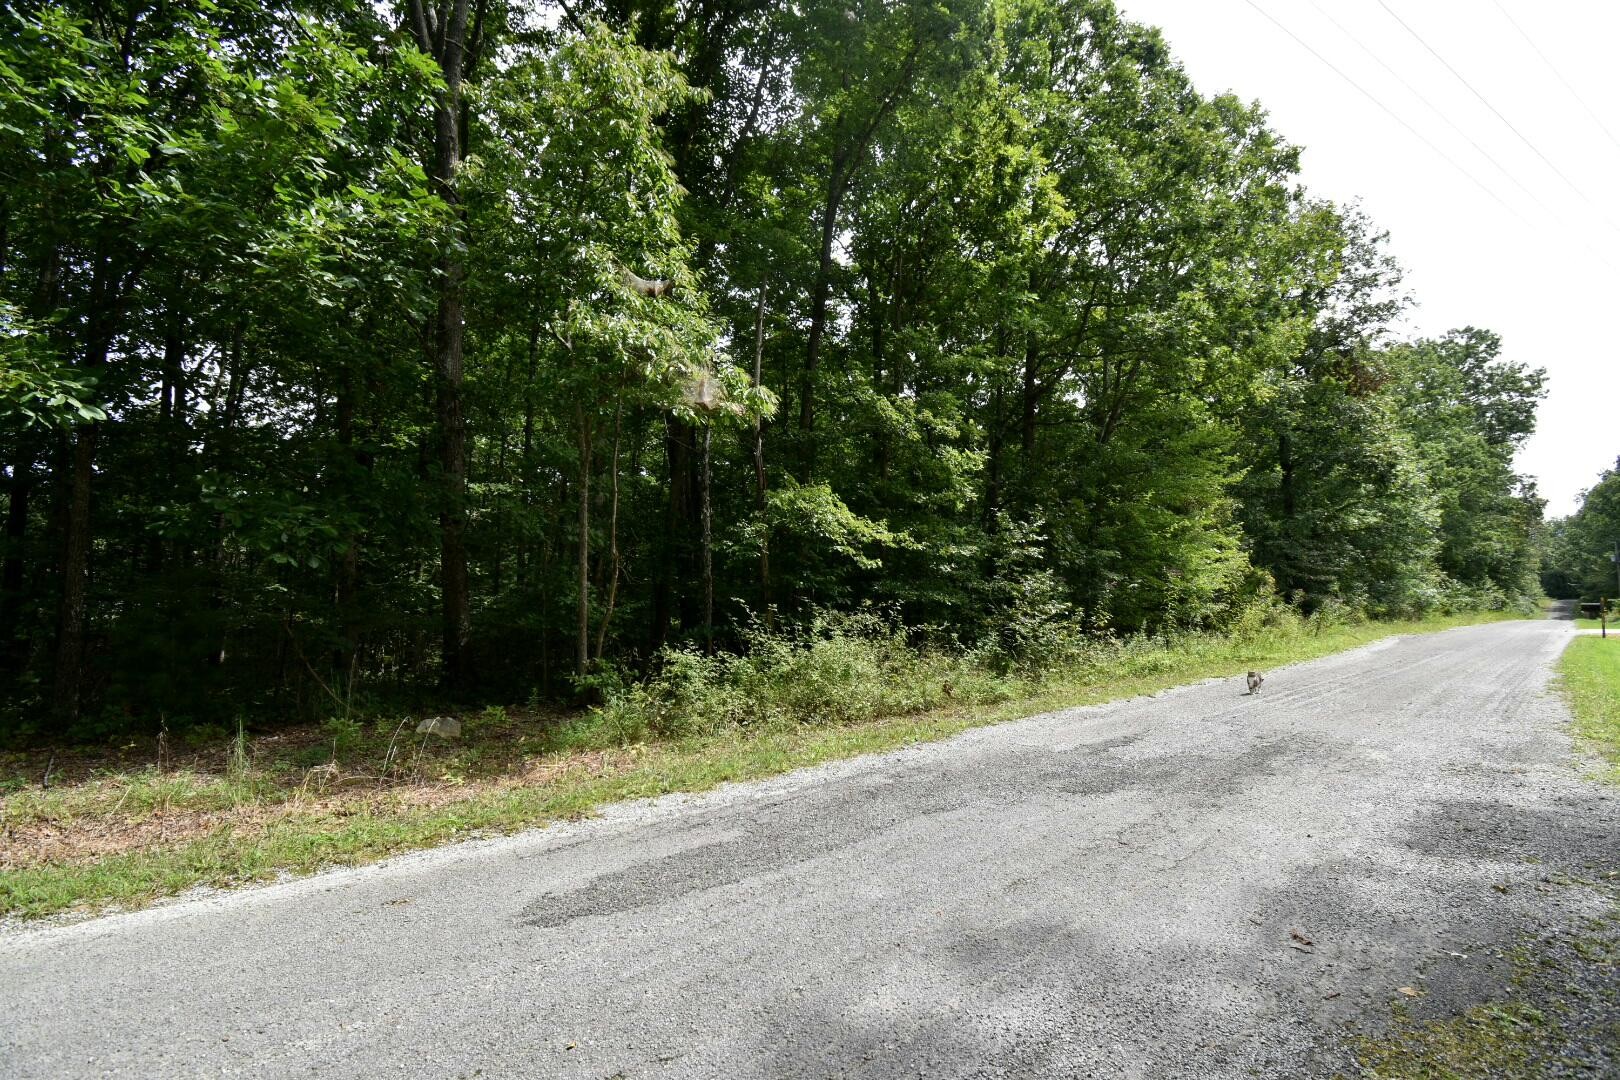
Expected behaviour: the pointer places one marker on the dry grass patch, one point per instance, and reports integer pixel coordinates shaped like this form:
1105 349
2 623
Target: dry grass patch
95 821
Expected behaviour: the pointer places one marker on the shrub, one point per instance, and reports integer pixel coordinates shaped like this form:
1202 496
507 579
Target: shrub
837 670
1265 615
345 732
843 669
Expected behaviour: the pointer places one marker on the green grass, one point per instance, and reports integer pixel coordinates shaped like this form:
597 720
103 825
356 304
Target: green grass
1590 678
271 820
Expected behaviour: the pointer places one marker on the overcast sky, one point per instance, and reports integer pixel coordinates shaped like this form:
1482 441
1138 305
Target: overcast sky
1543 270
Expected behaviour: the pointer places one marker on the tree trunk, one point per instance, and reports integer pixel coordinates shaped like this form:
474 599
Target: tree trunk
445 40
1031 398
174 346
348 568
708 548
759 468
171 407
12 576
992 471
453 465
613 528
1285 462
878 315
582 654
846 158
523 553
818 317
217 448
677 539
68 688
68 676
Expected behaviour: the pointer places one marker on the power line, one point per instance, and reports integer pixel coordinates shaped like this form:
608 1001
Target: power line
1424 139
1557 74
1393 115
1449 122
1486 102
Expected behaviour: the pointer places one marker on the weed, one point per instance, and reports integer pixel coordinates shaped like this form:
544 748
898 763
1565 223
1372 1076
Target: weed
345 732
237 760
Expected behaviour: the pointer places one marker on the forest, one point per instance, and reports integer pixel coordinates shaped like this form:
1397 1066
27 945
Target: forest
469 351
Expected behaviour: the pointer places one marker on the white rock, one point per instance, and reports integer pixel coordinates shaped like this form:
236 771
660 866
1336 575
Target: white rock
447 726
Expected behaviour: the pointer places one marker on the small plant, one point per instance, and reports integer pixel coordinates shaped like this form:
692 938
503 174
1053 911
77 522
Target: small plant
391 757
601 683
237 760
345 732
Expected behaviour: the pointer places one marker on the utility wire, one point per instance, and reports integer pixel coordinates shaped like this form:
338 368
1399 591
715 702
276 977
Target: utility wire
1424 139
1393 115
1557 74
1441 113
1486 102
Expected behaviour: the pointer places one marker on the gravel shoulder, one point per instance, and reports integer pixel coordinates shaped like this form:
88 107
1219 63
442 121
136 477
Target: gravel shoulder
1196 884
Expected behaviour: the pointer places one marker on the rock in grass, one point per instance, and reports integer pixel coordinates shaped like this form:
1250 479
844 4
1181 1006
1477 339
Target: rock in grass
447 726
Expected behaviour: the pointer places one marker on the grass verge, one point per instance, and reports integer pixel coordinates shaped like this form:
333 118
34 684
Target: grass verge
112 832
1559 1016
1589 674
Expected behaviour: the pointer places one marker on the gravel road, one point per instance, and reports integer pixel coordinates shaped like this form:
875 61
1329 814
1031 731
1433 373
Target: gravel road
1108 892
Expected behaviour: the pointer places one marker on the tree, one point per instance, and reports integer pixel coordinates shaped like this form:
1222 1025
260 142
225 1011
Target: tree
1468 412
1582 547
455 35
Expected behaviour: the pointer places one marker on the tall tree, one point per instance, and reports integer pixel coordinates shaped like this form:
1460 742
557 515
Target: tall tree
454 34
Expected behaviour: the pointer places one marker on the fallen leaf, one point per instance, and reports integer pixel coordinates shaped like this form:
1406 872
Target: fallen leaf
1330 997
1409 991
1301 938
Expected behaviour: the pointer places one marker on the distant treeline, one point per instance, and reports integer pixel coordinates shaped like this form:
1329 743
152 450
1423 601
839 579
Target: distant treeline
1582 552
463 348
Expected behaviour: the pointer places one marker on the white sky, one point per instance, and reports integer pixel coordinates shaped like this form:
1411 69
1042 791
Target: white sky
1545 274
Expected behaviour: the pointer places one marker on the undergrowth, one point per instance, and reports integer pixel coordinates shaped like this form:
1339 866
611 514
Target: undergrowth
855 669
